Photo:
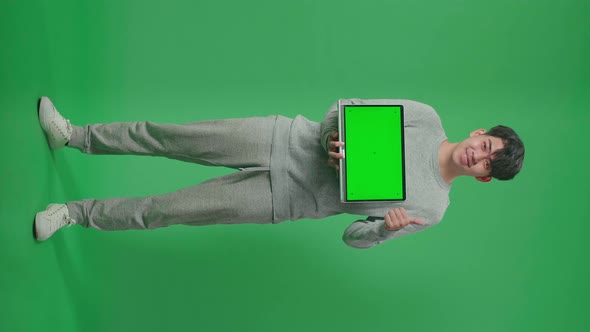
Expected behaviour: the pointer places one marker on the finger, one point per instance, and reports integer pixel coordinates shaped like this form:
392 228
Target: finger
334 164
403 221
398 214
404 213
417 221
335 155
336 144
387 223
395 221
388 217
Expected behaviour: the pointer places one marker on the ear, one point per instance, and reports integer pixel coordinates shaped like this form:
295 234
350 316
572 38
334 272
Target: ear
477 132
483 178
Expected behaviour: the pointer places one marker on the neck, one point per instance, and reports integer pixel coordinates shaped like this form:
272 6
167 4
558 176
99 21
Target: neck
447 169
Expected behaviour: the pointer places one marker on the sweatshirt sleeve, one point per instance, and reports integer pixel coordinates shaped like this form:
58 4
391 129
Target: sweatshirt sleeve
364 234
329 124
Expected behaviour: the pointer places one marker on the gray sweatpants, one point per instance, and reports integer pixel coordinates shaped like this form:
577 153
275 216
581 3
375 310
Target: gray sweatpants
240 197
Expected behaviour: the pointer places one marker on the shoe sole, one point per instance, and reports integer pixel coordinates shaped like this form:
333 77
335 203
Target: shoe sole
35 227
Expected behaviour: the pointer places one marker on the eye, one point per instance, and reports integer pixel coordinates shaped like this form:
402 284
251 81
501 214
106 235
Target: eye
484 146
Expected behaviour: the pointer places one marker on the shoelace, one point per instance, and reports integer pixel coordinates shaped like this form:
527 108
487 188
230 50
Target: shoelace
66 221
69 126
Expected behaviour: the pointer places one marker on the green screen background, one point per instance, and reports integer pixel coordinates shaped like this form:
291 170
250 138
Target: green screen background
374 166
508 256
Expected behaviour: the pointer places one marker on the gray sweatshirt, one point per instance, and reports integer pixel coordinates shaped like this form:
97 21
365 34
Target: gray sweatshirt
304 186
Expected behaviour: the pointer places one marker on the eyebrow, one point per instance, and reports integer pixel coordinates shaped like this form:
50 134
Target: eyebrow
490 140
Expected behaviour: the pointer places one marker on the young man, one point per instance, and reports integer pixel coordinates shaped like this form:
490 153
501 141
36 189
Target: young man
282 175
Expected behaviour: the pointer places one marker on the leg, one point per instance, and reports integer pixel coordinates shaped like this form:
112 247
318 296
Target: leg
232 143
241 197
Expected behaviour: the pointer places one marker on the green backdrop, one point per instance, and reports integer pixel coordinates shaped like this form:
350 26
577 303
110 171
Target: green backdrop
508 256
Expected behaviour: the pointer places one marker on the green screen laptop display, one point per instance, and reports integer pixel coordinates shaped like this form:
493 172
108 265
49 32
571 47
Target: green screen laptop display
373 165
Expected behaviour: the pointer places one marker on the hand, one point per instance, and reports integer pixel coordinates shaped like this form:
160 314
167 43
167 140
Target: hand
398 218
334 155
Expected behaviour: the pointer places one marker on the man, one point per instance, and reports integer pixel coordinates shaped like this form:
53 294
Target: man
282 172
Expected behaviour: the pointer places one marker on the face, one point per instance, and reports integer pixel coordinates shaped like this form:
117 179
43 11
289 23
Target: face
474 155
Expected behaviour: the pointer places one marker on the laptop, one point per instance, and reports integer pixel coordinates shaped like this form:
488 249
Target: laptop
373 167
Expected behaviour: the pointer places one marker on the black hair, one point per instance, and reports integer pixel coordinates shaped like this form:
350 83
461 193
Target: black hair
508 161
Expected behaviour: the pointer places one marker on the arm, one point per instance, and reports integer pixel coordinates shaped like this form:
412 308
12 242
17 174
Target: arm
363 234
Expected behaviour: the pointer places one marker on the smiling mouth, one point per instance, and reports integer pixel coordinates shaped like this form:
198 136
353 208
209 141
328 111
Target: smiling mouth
467 158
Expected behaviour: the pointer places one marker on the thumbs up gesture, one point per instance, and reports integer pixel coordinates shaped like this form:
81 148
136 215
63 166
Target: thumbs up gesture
398 218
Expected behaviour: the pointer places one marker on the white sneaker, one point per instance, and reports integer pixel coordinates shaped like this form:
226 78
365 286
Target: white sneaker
57 129
51 220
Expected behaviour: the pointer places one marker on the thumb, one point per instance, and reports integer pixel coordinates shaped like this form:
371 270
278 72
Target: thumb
416 221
